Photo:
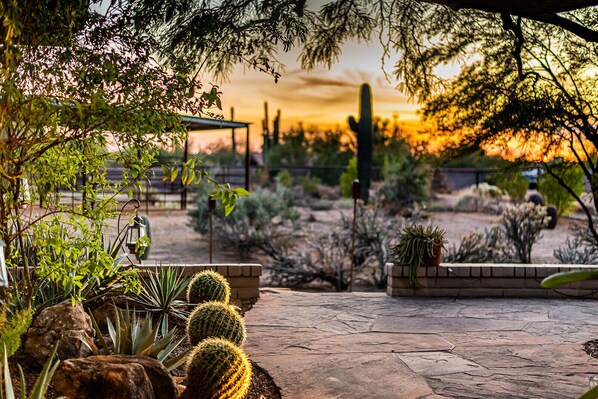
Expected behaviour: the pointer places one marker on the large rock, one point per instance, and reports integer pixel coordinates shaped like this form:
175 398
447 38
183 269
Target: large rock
63 323
114 377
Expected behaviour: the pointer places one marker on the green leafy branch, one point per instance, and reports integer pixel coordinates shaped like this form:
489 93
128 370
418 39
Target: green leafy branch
191 173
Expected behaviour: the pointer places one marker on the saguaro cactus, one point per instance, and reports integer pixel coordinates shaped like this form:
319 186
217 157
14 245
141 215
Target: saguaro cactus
363 129
276 130
266 134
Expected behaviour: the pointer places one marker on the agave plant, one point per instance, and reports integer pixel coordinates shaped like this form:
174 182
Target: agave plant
159 293
131 335
41 384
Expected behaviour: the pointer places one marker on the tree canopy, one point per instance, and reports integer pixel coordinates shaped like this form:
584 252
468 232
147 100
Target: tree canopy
527 68
78 89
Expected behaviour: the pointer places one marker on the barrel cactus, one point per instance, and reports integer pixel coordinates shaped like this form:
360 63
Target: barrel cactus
208 286
215 319
364 132
217 369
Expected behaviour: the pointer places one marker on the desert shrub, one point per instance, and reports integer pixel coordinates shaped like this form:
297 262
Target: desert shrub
510 240
74 260
324 259
347 178
556 194
284 178
579 249
486 190
330 149
292 150
484 197
375 235
489 246
406 180
309 184
522 225
253 224
469 203
327 257
513 183
12 326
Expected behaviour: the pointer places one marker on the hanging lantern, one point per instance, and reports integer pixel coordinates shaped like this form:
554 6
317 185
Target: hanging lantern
3 272
135 232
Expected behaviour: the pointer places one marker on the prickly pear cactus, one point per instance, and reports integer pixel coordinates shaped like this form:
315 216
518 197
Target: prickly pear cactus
208 286
217 369
364 132
215 320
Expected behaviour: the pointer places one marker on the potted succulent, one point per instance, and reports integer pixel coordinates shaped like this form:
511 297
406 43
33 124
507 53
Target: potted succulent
418 246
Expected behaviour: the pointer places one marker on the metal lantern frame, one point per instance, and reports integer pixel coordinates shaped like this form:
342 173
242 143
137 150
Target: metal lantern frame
135 229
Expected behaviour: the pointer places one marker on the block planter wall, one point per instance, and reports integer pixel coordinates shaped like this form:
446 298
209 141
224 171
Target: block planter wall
244 278
487 280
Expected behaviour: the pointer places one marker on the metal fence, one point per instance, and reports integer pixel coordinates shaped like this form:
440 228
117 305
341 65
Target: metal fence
156 190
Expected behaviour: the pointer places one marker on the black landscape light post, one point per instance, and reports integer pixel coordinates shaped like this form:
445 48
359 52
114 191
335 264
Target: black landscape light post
211 207
355 194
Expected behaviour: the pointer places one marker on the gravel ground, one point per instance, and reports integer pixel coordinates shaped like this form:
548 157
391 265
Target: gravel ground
174 241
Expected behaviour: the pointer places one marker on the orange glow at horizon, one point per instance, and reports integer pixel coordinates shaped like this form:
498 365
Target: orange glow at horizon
320 98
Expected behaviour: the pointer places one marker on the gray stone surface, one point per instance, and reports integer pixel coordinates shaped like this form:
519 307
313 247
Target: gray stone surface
367 345
437 363
343 376
443 324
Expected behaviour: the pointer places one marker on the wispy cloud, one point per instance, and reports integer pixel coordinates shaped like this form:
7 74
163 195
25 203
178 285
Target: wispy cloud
320 97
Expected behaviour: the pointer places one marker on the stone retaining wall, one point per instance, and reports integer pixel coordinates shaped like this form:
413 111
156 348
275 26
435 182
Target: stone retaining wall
244 279
487 280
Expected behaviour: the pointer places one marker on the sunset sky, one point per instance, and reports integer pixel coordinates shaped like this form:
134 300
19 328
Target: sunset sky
322 97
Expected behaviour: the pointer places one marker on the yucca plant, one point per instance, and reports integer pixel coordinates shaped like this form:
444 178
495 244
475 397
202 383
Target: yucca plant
41 384
131 335
417 243
159 293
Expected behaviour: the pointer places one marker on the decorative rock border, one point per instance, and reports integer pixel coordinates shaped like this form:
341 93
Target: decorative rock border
487 280
244 278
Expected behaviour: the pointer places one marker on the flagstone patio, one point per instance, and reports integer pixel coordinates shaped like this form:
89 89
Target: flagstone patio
368 345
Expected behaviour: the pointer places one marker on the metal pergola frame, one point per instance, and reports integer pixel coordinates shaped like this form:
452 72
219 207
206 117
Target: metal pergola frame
197 124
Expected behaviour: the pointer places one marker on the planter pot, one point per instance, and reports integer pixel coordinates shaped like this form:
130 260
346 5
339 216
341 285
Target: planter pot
435 259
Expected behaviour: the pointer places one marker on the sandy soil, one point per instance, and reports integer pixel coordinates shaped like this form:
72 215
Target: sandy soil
174 241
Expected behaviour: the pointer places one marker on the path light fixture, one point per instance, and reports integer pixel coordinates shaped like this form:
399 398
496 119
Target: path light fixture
355 194
136 230
3 271
211 207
